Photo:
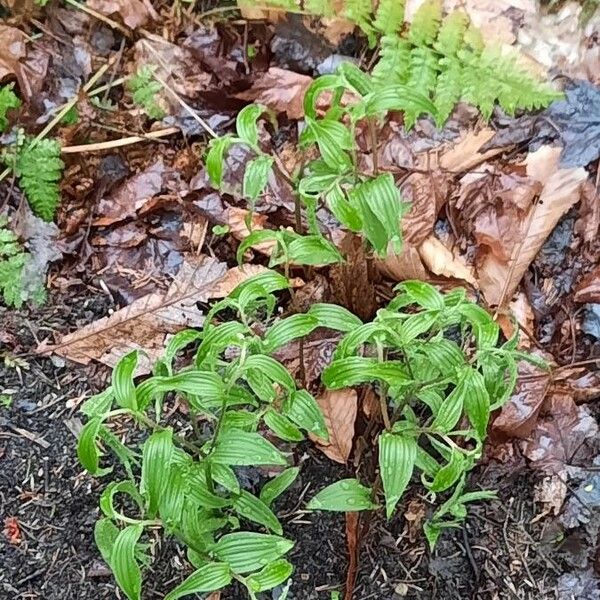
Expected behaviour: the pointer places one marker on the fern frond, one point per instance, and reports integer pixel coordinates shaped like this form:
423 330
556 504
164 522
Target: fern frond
39 168
426 23
448 89
360 11
389 16
452 33
473 40
393 66
8 100
12 261
321 8
145 88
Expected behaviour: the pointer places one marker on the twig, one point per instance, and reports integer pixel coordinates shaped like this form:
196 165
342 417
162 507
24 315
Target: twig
177 97
126 141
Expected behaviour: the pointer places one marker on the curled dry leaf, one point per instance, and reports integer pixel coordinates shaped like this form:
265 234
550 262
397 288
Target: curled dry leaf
237 221
145 322
519 415
521 312
339 409
12 531
133 13
551 492
280 90
498 278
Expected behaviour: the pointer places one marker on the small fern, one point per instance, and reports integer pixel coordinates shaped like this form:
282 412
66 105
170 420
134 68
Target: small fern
12 262
145 88
39 168
8 100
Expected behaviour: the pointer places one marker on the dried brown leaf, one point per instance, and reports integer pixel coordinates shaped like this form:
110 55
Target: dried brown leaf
131 196
236 220
518 416
588 291
562 437
499 279
441 261
466 153
280 90
145 323
406 265
521 312
339 409
133 13
551 492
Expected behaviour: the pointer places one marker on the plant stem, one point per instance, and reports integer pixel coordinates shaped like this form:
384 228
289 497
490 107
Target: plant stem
383 392
152 424
373 134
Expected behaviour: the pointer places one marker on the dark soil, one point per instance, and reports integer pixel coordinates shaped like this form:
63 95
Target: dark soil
503 551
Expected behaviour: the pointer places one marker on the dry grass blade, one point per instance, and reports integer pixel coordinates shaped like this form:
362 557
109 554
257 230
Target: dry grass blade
145 323
560 191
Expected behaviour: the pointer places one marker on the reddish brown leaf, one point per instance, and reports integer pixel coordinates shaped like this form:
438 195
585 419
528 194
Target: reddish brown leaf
522 313
12 531
280 90
441 261
518 416
339 409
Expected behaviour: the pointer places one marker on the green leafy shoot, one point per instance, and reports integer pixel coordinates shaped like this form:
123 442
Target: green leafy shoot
8 100
145 89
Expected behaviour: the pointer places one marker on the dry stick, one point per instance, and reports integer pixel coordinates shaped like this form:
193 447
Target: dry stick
66 108
177 97
134 139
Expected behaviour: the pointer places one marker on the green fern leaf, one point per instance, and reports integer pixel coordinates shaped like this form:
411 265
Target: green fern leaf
145 92
393 66
359 11
473 40
448 89
12 261
321 8
426 23
39 168
389 17
8 100
452 33
423 76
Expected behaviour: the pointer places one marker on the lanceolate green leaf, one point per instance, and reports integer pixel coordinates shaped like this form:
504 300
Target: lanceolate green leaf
225 476
246 123
105 535
303 410
209 578
423 294
451 409
286 330
274 488
270 576
245 551
333 139
449 474
252 508
256 176
215 156
477 402
342 210
87 449
282 427
335 317
354 370
313 250
397 456
236 447
122 381
272 369
347 495
123 563
156 462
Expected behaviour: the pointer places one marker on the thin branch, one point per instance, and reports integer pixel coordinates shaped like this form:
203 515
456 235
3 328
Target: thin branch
126 141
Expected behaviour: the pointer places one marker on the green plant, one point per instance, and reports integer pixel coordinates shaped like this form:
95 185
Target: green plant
425 69
145 88
8 100
437 363
13 260
38 166
184 480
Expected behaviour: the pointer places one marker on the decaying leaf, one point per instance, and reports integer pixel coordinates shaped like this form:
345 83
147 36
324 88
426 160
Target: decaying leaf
237 220
280 90
520 315
551 493
439 260
145 323
588 291
339 409
131 196
133 13
518 416
498 278
562 436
